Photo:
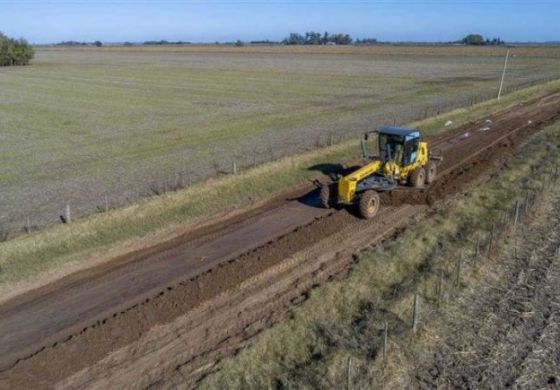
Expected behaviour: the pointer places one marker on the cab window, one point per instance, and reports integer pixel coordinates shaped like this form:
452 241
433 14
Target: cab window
411 151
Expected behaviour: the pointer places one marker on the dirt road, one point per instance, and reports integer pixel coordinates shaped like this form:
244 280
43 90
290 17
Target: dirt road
63 330
54 315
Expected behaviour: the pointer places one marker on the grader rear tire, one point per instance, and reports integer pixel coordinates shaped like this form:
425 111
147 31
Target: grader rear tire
431 172
418 178
368 205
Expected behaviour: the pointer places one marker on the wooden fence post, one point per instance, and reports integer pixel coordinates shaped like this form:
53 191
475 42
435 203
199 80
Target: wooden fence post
517 204
458 270
385 333
348 373
477 248
491 243
415 313
234 168
440 287
67 215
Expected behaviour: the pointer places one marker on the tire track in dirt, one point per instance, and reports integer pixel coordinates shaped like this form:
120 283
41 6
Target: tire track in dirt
225 324
174 299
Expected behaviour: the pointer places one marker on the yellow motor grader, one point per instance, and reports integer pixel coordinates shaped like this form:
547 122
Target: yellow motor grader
401 159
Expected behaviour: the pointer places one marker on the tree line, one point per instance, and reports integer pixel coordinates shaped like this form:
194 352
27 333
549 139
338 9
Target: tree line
315 38
479 40
14 51
77 43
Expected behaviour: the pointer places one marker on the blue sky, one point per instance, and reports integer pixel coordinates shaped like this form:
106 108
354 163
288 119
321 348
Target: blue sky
209 21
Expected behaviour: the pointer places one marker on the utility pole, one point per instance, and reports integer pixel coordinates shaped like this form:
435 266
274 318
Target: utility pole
503 75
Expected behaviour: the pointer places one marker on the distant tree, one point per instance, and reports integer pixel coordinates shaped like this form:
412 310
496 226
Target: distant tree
367 41
264 42
162 42
342 39
128 44
497 42
98 43
473 39
315 38
71 43
294 39
239 43
479 40
14 51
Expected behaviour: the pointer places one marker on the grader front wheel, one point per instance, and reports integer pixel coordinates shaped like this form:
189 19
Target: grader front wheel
418 178
368 204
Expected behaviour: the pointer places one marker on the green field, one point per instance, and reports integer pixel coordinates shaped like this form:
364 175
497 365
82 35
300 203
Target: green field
82 125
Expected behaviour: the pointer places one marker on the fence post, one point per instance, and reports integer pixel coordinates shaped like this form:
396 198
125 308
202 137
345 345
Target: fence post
517 204
234 168
477 248
491 243
415 313
458 270
67 215
440 287
348 373
385 332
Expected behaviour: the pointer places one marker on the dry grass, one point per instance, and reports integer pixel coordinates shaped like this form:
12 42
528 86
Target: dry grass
43 256
345 318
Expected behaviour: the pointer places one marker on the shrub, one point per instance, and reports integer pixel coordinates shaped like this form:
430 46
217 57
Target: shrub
14 51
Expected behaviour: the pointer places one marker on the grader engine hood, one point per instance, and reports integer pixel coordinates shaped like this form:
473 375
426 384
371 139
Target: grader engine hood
347 185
